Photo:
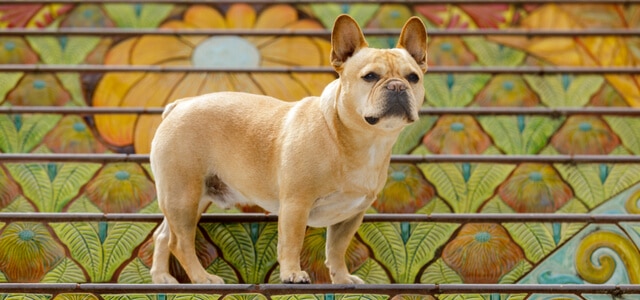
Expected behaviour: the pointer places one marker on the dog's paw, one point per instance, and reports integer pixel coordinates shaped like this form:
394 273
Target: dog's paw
163 278
295 277
347 279
208 279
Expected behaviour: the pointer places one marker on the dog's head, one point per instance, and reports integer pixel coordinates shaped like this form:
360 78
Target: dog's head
382 87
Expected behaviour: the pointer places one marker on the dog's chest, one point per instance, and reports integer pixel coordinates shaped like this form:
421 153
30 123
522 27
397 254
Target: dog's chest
336 208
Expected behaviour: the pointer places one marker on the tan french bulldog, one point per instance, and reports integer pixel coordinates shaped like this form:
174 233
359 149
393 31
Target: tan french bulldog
317 162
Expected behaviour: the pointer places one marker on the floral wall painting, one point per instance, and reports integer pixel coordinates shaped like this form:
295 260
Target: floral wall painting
382 252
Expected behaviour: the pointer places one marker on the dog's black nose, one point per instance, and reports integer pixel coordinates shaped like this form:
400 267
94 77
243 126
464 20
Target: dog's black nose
396 86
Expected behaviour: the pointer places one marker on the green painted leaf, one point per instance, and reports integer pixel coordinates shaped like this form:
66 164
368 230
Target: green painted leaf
33 130
585 181
225 271
129 297
507 135
298 297
194 297
620 178
328 12
372 272
494 54
411 136
76 297
245 297
448 181
484 179
237 247
35 183
68 181
8 81
66 271
266 248
361 297
516 273
628 129
122 238
421 246
135 272
20 204
565 90
387 246
138 15
147 168
436 205
72 83
24 297
440 272
3 278
8 135
63 49
535 239
497 206
83 242
449 90
83 204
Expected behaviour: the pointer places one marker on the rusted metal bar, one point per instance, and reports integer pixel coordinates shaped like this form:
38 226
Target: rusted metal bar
331 1
398 158
474 111
433 32
382 217
532 70
286 289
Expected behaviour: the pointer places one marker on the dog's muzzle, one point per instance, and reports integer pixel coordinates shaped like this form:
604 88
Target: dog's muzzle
397 103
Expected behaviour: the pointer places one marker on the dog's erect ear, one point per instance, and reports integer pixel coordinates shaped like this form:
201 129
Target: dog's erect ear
346 40
413 38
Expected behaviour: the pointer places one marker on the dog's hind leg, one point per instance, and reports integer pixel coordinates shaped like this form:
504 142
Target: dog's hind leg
183 223
160 268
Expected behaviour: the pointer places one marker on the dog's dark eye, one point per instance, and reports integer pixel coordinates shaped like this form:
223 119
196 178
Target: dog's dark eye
371 77
413 78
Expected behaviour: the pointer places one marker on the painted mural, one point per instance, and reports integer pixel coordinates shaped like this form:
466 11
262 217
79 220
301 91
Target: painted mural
120 252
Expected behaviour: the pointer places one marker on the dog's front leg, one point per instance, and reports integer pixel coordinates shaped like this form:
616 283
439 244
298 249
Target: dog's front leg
292 224
338 238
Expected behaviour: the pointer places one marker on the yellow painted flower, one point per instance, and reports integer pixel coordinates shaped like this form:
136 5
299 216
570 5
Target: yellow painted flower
535 188
39 90
585 135
406 190
482 253
14 50
121 188
28 252
158 89
456 135
73 135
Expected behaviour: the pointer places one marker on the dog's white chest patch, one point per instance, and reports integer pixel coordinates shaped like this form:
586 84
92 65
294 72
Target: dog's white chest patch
336 208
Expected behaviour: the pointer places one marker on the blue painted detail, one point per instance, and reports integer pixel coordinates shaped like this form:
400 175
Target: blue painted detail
63 40
508 85
450 81
122 175
398 176
547 277
26 235
585 126
9 45
521 123
604 172
329 297
52 171
405 231
87 14
535 176
394 14
162 297
466 171
17 122
557 232
494 296
482 237
345 8
79 126
457 126
103 227
255 231
446 47
39 84
566 81
137 8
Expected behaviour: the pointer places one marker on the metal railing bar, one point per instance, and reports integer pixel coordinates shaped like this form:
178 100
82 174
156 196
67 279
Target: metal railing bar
544 111
284 289
330 1
398 158
317 69
381 217
433 32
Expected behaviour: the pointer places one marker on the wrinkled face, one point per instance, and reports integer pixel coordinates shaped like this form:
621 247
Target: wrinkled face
382 87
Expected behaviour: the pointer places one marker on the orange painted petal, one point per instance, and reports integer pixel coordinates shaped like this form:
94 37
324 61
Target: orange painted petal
120 53
277 16
293 51
145 131
188 87
281 86
243 82
241 16
314 83
191 39
628 86
154 49
202 16
217 82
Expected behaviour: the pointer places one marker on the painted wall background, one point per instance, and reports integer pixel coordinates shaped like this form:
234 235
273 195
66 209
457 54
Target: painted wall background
382 252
